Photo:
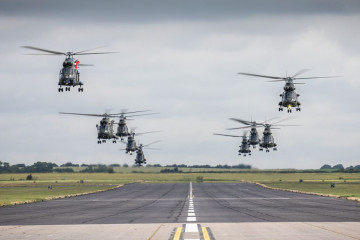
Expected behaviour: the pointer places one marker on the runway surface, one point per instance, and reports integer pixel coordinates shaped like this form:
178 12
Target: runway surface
185 210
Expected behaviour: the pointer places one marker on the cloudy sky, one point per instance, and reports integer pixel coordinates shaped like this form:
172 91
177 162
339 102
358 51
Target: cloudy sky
180 58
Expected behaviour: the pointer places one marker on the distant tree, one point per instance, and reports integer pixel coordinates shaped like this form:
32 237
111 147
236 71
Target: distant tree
326 166
357 167
242 166
84 165
338 166
114 165
350 168
20 165
125 165
157 165
69 164
110 170
29 177
64 170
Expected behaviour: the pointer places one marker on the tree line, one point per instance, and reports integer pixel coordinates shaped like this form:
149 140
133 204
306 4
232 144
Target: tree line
341 167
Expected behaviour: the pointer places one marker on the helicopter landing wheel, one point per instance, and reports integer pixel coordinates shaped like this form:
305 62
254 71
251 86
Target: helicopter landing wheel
104 141
260 149
275 149
99 142
114 141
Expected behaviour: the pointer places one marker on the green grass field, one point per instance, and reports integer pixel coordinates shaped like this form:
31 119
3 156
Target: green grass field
14 187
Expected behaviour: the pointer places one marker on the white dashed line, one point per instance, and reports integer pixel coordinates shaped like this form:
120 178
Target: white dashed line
191 212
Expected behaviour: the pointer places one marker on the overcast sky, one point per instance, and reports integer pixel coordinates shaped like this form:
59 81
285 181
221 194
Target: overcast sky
180 58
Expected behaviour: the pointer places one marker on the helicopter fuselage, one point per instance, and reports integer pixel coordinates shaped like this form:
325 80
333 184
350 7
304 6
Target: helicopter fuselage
245 147
69 75
289 98
254 137
105 130
267 140
131 145
140 158
122 129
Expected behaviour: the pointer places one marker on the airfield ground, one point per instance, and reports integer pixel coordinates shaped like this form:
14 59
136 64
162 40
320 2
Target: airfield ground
176 211
15 189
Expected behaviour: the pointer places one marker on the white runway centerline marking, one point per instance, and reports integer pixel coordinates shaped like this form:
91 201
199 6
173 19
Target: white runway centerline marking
191 227
191 212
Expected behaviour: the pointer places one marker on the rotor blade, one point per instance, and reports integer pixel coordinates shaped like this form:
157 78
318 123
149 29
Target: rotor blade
282 120
137 134
285 126
124 111
152 148
142 115
226 135
85 114
239 128
300 72
241 121
42 54
298 83
151 143
44 50
263 76
317 77
80 64
269 120
93 53
276 80
90 49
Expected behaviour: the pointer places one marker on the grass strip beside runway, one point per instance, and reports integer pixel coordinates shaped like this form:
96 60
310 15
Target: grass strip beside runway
14 187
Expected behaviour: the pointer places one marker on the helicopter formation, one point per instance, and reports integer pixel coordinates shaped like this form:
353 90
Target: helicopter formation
289 100
70 77
266 142
105 131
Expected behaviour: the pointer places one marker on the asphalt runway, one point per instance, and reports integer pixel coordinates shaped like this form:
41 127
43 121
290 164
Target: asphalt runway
185 211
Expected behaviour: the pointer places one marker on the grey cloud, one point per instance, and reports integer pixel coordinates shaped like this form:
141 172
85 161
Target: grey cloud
158 10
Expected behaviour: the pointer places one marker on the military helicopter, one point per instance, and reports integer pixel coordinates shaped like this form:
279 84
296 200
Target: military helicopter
267 140
131 145
140 157
289 98
254 136
105 129
69 74
244 147
122 129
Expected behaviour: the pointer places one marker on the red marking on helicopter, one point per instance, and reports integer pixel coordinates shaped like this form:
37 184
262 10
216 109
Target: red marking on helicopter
77 63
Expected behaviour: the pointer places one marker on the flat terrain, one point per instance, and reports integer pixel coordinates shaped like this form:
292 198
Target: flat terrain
184 211
14 189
